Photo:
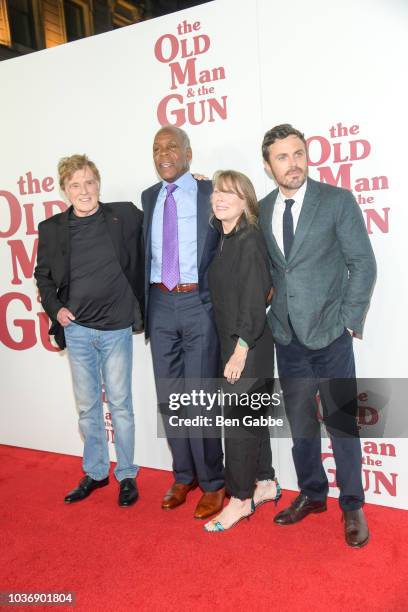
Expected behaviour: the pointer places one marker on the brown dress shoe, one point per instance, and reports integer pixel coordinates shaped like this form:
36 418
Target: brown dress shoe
177 494
299 508
355 528
210 503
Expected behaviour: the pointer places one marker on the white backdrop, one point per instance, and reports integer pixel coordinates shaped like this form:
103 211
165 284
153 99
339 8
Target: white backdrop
334 70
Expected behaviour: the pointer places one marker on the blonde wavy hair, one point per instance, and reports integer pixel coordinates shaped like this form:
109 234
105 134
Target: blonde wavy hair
67 167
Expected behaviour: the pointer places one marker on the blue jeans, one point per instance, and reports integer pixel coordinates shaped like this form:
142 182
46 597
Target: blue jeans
93 355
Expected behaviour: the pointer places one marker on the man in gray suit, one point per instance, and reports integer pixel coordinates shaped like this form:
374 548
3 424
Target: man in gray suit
323 270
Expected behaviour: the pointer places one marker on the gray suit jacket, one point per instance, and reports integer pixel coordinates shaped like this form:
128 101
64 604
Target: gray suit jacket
327 282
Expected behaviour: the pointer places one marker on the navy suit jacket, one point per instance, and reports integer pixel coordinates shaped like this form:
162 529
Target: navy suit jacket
207 240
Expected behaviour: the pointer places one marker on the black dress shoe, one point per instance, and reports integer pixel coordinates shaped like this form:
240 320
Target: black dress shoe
85 488
355 528
299 508
128 493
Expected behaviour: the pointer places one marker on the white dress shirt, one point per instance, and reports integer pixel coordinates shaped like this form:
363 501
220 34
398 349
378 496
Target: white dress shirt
279 209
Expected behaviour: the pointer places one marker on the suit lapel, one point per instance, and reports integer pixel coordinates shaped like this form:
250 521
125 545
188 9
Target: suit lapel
270 237
203 219
63 241
309 207
149 218
114 227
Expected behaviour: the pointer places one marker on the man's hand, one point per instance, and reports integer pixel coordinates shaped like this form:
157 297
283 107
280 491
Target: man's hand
354 334
200 177
236 364
65 316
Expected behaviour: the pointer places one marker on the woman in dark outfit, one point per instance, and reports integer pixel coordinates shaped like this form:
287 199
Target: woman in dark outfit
240 286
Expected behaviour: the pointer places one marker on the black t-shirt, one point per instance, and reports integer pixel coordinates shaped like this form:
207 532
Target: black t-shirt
99 295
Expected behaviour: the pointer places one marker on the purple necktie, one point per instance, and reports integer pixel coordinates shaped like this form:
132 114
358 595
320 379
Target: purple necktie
170 250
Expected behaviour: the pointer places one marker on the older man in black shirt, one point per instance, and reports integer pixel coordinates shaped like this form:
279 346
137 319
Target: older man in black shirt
90 277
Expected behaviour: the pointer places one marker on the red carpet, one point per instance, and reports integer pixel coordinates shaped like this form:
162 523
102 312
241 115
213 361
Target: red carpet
143 558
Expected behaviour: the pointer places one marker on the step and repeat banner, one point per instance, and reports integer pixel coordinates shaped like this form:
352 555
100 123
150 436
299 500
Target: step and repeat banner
225 72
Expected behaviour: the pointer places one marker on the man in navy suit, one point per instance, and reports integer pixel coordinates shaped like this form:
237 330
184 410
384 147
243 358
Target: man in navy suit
323 271
180 244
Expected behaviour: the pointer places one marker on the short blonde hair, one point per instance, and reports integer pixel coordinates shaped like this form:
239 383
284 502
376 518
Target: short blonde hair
241 185
67 167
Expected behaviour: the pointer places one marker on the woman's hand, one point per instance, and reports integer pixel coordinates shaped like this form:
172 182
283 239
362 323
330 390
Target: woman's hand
236 364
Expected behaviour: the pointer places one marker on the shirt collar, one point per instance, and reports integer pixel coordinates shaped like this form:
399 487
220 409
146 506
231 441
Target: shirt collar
185 182
298 196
